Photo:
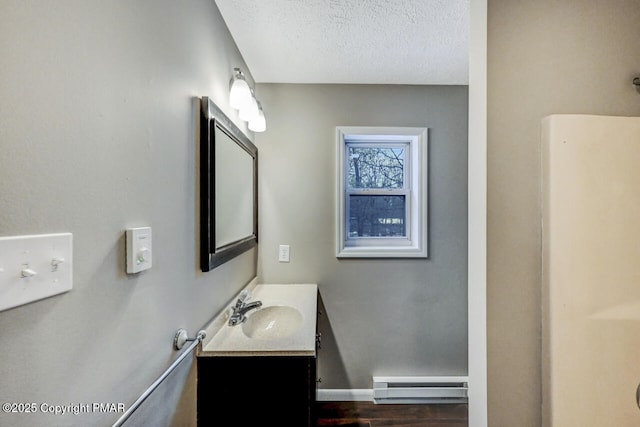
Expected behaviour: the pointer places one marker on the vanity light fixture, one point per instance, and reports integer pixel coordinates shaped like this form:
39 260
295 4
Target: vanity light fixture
240 93
250 110
259 123
242 98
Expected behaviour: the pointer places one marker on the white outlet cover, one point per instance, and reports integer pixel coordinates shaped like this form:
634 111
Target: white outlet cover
283 253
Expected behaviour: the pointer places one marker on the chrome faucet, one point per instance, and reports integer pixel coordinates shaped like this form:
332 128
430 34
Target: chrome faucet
241 308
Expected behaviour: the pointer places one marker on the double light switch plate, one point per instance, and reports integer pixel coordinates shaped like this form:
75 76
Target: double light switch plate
34 267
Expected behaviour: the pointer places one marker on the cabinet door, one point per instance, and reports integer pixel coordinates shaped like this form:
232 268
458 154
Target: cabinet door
254 391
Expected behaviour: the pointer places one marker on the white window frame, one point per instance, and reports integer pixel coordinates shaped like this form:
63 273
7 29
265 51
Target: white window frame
416 173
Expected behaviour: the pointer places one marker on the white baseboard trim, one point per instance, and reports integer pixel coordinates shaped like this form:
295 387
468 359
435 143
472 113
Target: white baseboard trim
345 395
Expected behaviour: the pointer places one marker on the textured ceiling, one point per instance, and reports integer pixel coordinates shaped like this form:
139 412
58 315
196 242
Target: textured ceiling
352 41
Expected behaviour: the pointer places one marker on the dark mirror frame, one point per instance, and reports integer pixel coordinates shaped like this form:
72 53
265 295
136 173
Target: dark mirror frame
211 117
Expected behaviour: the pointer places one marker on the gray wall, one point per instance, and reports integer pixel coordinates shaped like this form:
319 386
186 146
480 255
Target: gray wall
544 57
381 317
96 108
97 134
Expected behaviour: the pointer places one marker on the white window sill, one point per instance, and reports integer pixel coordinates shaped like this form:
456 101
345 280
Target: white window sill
381 252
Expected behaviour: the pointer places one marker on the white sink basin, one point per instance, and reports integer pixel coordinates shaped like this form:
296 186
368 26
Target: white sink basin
273 322
284 325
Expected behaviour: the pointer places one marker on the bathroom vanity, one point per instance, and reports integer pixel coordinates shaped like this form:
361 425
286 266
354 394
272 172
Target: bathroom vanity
262 369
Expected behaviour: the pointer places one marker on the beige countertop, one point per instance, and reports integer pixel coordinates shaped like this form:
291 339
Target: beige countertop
297 303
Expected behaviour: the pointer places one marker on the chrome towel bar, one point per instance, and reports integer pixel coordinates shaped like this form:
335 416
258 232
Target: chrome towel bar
179 340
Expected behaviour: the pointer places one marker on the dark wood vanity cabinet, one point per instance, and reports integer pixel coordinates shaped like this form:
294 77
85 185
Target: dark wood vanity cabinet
245 382
256 391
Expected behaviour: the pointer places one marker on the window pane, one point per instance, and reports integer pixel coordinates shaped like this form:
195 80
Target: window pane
377 216
375 167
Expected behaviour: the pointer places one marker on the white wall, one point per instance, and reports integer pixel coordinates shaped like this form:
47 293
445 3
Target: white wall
98 133
544 57
380 317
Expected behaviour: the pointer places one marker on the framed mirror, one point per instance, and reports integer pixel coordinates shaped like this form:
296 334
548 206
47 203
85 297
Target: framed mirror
228 188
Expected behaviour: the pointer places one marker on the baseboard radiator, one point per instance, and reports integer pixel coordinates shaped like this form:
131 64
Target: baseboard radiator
418 390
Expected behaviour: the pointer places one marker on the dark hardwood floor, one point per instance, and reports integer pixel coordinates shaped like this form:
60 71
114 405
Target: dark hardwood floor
367 414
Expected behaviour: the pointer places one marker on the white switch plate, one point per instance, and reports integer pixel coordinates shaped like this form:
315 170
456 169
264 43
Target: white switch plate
139 254
34 267
283 253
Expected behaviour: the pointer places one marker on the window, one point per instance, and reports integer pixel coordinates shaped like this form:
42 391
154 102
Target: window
382 192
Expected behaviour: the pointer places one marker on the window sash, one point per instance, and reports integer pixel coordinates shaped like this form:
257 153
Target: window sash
405 191
406 166
382 240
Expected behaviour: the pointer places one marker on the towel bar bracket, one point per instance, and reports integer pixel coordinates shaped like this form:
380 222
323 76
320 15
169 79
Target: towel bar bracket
181 338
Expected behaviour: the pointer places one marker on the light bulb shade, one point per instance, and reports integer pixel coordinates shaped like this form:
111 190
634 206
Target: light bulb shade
250 111
240 93
259 123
